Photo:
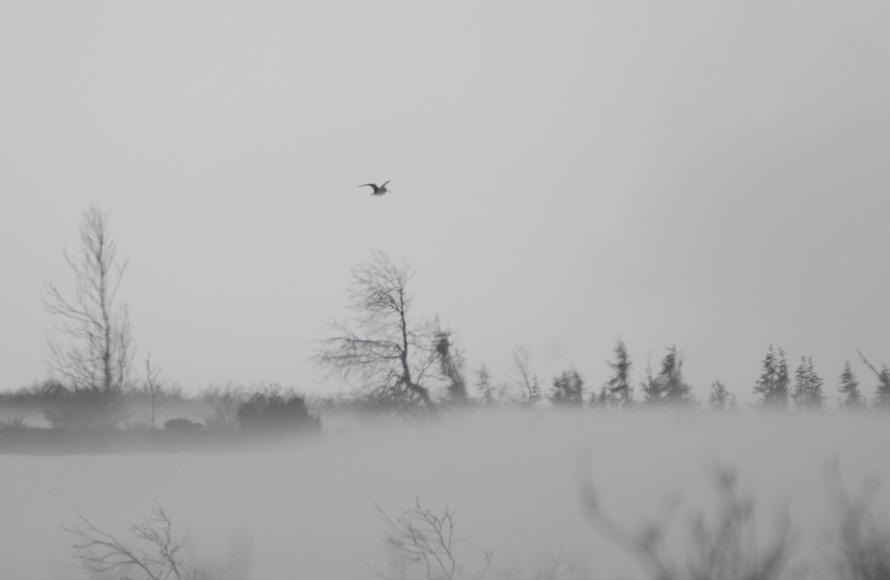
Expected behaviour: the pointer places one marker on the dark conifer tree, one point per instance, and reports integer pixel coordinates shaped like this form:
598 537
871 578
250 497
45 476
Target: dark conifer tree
784 377
618 390
668 387
652 389
772 386
568 389
451 364
849 388
807 393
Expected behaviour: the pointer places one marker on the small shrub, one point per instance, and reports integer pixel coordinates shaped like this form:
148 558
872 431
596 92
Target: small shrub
223 402
273 412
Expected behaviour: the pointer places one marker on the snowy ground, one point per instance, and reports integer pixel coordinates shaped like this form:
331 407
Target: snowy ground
512 479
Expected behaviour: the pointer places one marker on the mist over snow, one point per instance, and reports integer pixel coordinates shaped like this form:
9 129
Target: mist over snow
512 479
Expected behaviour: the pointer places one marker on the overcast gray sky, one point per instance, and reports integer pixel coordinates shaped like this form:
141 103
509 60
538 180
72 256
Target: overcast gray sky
709 174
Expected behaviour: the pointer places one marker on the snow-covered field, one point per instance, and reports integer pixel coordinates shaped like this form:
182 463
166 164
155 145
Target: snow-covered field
511 478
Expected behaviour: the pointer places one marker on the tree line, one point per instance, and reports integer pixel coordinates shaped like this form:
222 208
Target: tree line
393 359
398 359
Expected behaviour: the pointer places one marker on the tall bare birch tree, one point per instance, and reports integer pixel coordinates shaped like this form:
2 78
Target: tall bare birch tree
93 353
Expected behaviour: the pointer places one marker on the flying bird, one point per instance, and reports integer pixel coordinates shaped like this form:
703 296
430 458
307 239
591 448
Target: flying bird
378 189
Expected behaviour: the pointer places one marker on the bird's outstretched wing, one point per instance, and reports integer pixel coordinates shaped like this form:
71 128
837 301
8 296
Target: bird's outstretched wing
373 185
384 184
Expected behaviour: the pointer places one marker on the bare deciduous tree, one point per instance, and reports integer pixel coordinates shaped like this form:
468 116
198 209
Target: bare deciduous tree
153 387
383 347
224 401
96 358
720 398
525 379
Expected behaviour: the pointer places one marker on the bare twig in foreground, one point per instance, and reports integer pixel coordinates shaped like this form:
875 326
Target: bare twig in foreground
154 554
725 548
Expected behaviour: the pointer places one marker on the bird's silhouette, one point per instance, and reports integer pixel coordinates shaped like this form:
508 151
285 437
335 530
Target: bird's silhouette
378 189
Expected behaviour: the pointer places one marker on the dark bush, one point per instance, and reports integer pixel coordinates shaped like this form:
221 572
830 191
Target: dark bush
38 393
83 408
16 423
181 425
274 413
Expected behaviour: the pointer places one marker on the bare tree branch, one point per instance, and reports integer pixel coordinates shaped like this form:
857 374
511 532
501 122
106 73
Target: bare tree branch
883 395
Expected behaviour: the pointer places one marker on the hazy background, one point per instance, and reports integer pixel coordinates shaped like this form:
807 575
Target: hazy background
709 174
